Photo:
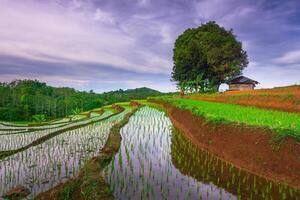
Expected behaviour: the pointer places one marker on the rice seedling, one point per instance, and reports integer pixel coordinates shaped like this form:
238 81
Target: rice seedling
146 143
13 143
12 127
283 123
162 164
45 165
154 161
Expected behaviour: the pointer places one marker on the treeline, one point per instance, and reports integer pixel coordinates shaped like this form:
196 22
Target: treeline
21 100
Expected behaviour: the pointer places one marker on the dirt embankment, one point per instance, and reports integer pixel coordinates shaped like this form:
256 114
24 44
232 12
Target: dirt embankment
250 149
118 108
282 99
135 104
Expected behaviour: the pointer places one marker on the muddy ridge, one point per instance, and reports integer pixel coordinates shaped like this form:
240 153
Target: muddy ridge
250 149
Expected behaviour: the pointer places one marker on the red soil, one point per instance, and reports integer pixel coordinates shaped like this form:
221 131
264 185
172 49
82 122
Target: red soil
135 104
280 90
118 108
250 149
283 99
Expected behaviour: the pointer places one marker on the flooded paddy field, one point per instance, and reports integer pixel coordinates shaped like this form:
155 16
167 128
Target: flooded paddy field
155 161
207 168
16 141
43 166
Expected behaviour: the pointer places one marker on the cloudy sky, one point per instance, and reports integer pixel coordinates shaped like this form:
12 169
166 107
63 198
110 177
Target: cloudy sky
111 44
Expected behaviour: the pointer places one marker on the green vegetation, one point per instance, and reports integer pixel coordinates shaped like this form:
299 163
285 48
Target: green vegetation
207 56
70 189
39 118
283 123
26 100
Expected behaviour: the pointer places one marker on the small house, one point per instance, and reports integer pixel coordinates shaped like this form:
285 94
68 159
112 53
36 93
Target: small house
240 83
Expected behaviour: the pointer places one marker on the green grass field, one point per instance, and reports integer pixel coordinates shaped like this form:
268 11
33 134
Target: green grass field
283 123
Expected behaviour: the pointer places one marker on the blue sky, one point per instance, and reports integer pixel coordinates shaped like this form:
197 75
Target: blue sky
110 44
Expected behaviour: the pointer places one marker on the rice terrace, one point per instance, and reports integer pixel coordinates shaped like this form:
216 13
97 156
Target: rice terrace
222 121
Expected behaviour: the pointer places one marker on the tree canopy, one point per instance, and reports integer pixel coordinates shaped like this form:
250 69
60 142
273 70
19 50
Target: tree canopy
206 57
33 100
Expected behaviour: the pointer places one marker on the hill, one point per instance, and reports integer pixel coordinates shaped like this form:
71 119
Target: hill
20 100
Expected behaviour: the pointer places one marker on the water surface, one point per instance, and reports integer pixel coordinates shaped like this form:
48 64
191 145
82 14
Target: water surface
143 168
156 161
42 167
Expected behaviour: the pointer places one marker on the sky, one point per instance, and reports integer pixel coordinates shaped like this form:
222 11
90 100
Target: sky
105 45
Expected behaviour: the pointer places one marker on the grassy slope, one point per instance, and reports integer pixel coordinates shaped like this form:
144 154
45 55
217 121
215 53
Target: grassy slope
282 99
284 124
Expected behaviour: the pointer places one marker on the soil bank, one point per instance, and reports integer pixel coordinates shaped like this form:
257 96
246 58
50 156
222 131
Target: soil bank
250 149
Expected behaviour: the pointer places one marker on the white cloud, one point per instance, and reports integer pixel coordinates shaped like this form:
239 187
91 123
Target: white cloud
43 32
291 57
102 16
272 75
76 4
225 12
143 2
56 81
165 33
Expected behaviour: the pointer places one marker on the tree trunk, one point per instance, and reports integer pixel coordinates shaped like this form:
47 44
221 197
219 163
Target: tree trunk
218 87
181 92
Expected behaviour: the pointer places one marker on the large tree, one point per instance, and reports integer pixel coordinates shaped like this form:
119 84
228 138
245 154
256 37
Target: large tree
208 54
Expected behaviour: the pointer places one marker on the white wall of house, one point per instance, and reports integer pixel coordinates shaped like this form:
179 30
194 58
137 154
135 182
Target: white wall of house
241 87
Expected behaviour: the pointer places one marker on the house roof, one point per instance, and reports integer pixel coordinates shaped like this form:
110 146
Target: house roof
242 80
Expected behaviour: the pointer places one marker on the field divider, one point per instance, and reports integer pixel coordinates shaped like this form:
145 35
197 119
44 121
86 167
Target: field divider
5 154
89 183
33 128
25 129
30 126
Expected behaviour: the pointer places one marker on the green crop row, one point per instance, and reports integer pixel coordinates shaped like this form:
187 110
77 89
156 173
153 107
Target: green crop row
283 123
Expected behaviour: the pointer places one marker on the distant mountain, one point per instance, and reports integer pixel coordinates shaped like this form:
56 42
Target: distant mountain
22 99
130 94
140 91
143 89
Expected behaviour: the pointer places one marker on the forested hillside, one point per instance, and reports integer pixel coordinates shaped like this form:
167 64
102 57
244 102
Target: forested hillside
22 99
